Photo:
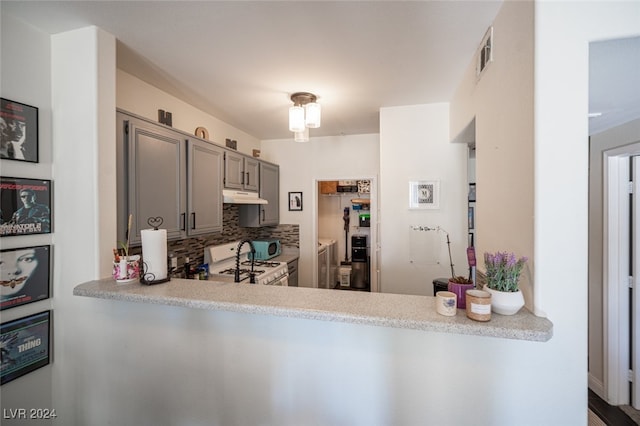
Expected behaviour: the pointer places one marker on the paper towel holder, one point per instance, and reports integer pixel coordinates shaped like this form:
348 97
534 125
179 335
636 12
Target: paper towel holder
155 223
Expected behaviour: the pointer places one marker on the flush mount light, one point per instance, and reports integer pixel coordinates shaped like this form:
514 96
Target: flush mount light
302 136
305 114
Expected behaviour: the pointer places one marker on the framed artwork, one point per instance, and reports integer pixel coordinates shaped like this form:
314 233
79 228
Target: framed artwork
472 192
424 194
471 218
18 131
295 201
24 206
25 344
24 276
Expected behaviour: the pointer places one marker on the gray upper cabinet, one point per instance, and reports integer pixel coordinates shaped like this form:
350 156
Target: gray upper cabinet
156 179
253 215
241 172
164 173
205 177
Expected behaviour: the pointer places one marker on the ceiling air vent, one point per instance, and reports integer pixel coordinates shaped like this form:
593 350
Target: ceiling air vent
485 52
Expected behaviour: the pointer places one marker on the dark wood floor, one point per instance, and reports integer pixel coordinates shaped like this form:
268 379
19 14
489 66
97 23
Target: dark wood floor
611 415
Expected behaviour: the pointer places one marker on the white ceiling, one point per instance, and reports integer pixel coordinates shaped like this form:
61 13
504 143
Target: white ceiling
241 60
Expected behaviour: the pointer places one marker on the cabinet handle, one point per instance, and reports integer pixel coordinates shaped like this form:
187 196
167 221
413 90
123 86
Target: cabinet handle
193 220
183 217
242 178
263 215
247 178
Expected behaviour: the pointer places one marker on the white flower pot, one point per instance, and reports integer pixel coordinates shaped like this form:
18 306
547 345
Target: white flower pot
505 302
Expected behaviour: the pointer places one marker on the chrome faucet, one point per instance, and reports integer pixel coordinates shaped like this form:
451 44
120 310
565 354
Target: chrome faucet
252 275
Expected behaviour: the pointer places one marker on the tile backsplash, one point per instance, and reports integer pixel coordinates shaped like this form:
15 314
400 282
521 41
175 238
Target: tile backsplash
289 235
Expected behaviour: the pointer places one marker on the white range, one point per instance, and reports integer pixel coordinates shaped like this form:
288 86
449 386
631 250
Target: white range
222 264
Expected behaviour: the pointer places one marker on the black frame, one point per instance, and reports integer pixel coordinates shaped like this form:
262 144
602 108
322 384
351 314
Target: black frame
295 201
472 192
12 217
17 289
26 345
18 122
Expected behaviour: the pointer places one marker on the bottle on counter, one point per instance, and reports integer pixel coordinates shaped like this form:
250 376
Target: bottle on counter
187 268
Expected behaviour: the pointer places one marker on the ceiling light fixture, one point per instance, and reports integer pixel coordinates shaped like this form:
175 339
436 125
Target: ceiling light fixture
305 114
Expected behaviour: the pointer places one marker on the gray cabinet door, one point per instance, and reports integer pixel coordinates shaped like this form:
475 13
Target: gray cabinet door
251 174
206 163
253 215
233 170
156 179
241 172
270 190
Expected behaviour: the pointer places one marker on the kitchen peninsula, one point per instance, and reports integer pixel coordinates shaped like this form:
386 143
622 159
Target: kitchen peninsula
376 309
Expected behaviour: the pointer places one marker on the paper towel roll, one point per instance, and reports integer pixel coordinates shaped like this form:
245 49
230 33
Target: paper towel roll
154 254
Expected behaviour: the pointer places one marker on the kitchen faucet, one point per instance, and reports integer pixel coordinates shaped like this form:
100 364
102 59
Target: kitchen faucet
252 276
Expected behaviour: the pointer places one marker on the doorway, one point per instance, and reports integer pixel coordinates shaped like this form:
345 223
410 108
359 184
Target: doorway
346 211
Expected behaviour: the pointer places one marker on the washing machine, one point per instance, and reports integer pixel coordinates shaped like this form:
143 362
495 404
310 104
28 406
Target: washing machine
327 263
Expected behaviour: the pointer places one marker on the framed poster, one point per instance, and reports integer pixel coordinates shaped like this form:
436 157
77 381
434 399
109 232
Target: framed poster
424 194
24 206
295 201
25 345
18 131
24 276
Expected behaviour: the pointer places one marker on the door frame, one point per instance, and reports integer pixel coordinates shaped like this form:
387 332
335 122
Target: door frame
375 227
615 276
616 260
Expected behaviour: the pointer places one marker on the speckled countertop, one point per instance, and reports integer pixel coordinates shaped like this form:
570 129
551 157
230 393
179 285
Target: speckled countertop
377 309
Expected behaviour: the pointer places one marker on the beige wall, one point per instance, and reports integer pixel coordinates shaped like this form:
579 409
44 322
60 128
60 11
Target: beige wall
502 103
136 96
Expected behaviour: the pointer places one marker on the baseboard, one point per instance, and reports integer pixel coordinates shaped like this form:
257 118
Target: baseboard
597 386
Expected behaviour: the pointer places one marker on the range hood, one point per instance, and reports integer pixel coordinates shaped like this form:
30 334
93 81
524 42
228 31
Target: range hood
242 197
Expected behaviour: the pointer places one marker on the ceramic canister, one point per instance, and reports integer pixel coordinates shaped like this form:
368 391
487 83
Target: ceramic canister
446 303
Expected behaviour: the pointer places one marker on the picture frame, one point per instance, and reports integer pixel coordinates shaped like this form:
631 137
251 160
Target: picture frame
18 131
295 201
424 194
26 345
25 206
471 224
25 276
472 192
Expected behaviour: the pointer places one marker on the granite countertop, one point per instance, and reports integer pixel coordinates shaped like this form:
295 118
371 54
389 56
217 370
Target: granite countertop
285 257
288 254
376 309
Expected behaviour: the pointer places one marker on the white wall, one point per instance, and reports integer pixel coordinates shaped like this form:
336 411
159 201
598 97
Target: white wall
138 97
563 33
26 78
559 139
301 164
415 145
85 194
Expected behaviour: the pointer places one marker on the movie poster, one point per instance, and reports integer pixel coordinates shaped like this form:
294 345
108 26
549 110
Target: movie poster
24 206
24 276
18 131
24 345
